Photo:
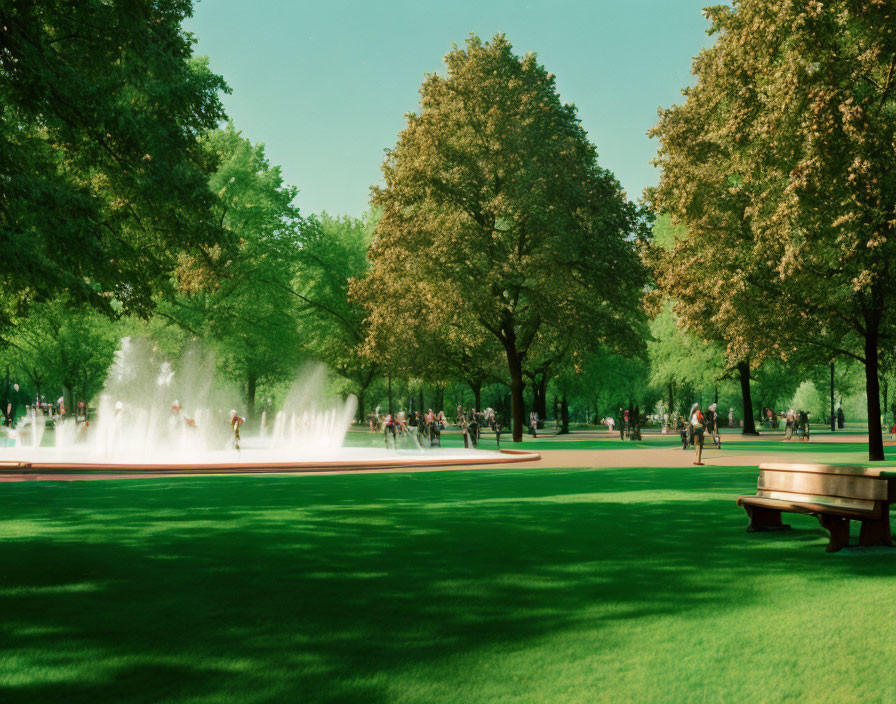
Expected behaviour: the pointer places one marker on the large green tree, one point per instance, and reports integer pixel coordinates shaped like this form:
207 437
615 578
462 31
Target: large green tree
780 164
104 183
247 307
333 253
678 358
494 203
62 350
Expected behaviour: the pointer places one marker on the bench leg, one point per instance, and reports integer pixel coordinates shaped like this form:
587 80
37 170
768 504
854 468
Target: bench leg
838 527
764 519
876 532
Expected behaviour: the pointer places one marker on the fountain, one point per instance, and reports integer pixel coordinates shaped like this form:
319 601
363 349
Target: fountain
153 416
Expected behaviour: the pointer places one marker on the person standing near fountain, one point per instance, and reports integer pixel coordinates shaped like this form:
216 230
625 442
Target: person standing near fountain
473 429
389 427
235 423
430 420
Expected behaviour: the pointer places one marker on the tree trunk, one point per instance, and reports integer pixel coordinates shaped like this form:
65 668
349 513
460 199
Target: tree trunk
833 418
252 383
476 387
564 416
515 367
362 419
749 422
671 402
420 401
872 388
68 398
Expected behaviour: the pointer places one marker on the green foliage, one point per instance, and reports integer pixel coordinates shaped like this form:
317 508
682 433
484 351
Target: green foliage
807 398
775 382
249 308
104 182
603 381
779 163
665 234
494 205
678 357
62 350
332 254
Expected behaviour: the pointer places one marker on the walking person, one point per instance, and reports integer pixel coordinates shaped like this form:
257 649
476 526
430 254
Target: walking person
464 430
789 424
804 425
635 433
712 424
389 428
684 429
697 429
473 430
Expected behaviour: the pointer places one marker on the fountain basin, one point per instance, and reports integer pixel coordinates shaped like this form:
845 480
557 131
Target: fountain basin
46 460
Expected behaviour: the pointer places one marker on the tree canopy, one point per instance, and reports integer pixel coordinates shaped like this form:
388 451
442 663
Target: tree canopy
779 164
494 205
104 180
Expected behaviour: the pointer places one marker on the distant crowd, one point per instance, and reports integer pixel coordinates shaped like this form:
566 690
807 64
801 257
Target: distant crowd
49 412
425 429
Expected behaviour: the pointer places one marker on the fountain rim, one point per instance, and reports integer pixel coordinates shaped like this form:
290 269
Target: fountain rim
279 467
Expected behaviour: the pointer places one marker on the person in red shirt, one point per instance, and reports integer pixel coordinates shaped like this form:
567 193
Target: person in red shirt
389 427
235 423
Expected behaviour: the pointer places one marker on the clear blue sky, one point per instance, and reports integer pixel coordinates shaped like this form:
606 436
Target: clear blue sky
326 84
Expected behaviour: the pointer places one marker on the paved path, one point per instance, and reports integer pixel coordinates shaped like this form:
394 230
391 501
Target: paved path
736 452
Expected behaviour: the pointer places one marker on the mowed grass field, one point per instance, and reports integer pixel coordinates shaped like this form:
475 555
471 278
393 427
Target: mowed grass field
519 585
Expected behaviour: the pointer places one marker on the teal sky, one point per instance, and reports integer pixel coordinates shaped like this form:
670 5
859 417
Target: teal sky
326 84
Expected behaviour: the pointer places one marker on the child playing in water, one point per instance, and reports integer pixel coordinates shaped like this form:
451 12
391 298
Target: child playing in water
235 423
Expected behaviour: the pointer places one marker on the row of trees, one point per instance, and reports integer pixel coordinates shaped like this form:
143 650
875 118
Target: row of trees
778 169
499 255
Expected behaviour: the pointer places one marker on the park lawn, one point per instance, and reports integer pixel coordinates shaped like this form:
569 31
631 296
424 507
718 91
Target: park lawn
520 585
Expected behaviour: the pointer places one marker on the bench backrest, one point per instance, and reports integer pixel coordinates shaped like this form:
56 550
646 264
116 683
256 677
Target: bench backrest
847 486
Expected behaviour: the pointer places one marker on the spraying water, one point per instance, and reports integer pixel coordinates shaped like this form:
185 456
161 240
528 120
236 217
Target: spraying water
152 412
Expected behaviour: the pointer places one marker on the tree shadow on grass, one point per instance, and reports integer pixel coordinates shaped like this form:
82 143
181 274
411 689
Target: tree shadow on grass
263 589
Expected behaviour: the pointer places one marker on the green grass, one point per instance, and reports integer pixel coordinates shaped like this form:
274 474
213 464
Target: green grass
634 585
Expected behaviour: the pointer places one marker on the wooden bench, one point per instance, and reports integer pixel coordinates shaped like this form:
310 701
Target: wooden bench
835 495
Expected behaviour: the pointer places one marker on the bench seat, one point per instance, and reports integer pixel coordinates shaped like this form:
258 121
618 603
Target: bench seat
795 503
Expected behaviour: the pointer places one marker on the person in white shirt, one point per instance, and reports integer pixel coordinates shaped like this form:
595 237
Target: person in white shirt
697 427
